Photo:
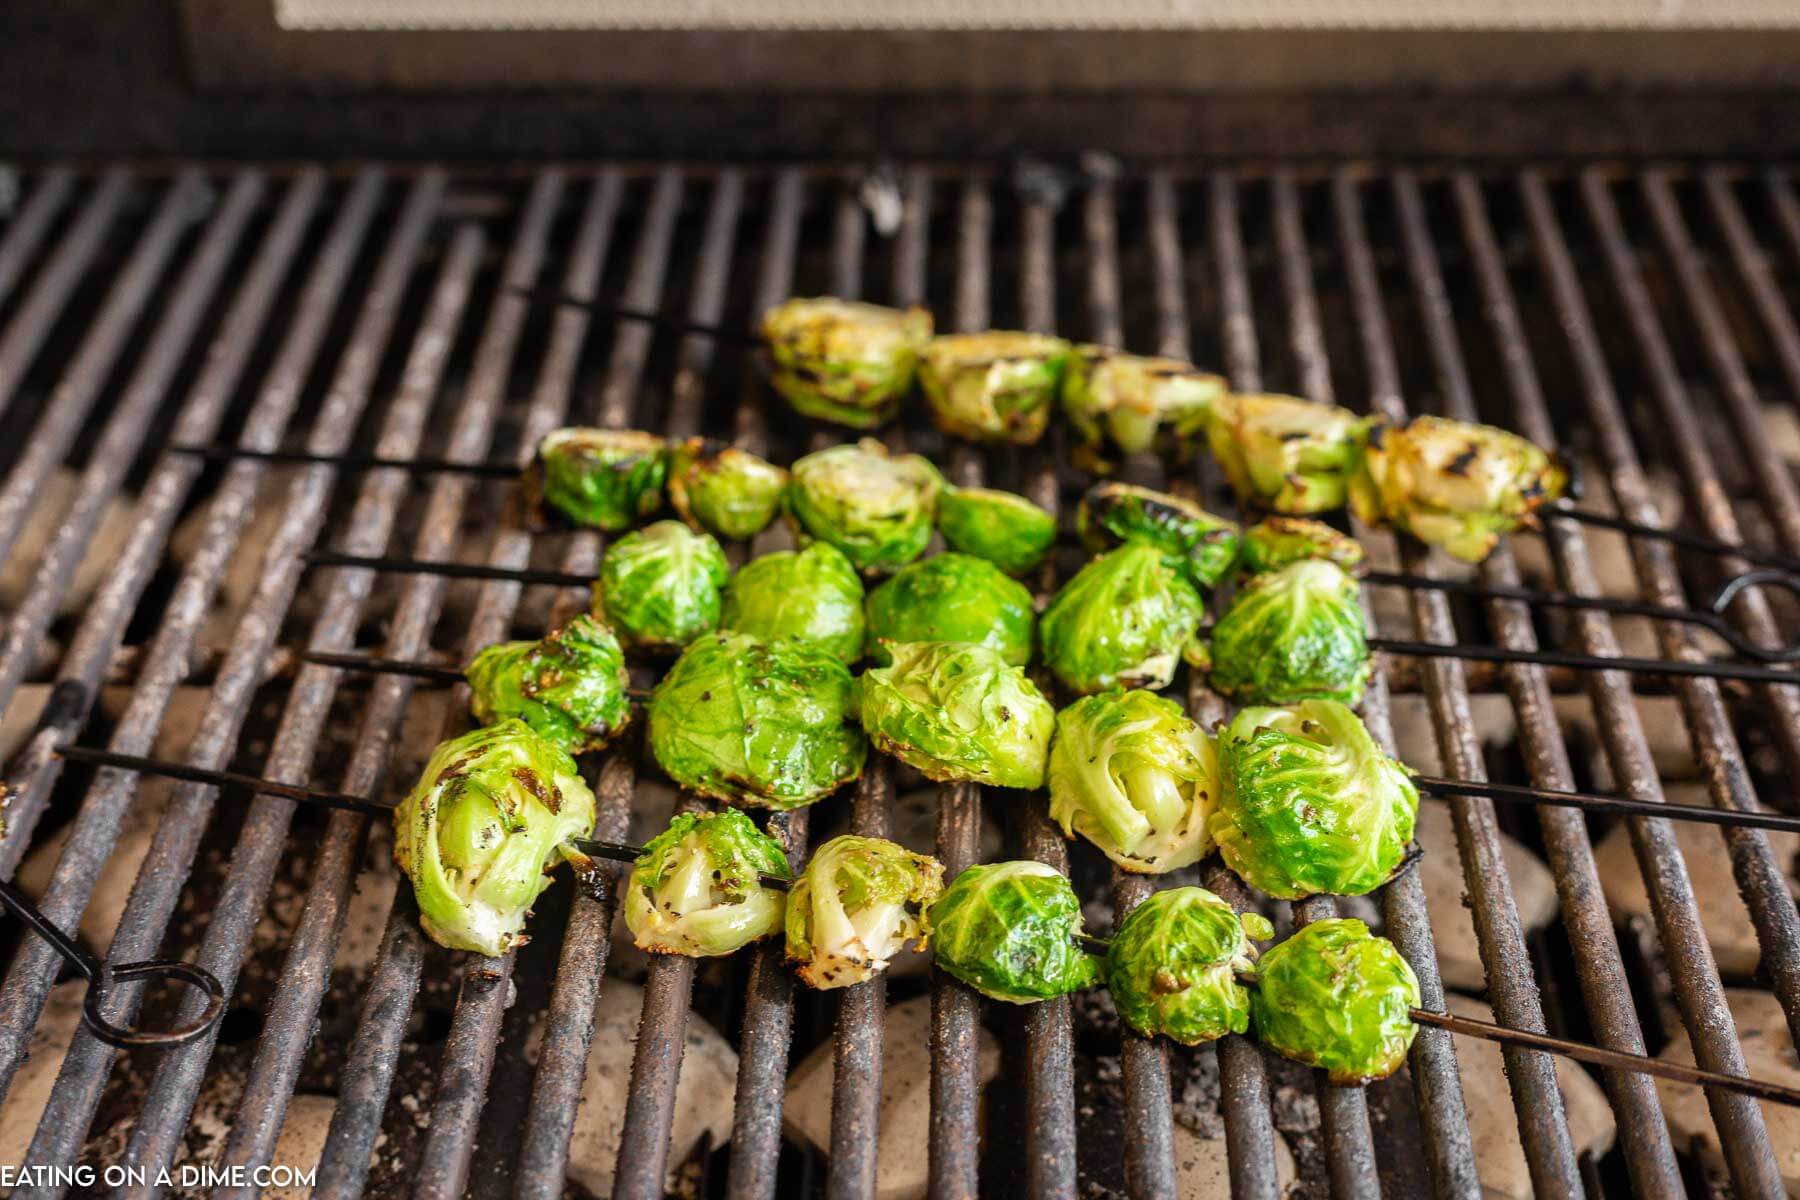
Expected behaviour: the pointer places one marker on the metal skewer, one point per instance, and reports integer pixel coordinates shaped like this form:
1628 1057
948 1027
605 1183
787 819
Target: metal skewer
436 672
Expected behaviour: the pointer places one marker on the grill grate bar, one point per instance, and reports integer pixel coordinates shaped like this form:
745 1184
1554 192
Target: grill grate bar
25 232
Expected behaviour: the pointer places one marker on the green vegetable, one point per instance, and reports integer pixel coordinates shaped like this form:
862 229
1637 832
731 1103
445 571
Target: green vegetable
659 586
606 478
1310 803
959 711
1337 997
569 686
1200 546
1136 403
767 724
724 490
953 598
812 595
1120 622
1274 542
1293 634
1006 529
858 903
875 507
997 386
841 361
494 810
1285 453
1008 931
1173 964
695 890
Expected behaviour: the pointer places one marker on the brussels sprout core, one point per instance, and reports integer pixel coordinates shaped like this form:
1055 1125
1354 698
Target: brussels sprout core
841 361
1137 403
875 507
724 490
660 585
1337 997
606 478
1006 529
1173 964
1200 546
959 711
997 386
1293 634
1008 931
1285 453
953 598
812 595
858 903
1122 621
1274 542
696 889
569 687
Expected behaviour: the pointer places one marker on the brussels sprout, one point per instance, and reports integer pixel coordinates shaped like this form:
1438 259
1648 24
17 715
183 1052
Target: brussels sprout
857 904
569 687
875 507
1310 803
1173 964
1200 546
1120 622
841 361
1274 542
812 595
696 888
606 478
1285 453
1131 773
1453 483
660 585
959 711
997 386
767 724
1137 403
494 810
1008 930
1336 997
724 490
1006 529
1293 634
952 598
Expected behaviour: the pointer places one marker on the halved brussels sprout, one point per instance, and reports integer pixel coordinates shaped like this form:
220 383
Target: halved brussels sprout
1131 773
812 595
724 490
1173 964
1285 453
1310 803
766 724
1122 621
838 360
1005 528
875 507
1293 634
696 889
1193 541
1454 484
857 904
1008 930
569 686
1137 403
1336 997
997 386
659 586
1274 542
952 597
606 478
959 711
494 810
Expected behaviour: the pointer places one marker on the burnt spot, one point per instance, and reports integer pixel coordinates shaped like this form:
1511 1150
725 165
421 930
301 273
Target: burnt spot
1459 466
549 797
1293 435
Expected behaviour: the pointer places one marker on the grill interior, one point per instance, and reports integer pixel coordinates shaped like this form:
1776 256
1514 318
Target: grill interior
1640 318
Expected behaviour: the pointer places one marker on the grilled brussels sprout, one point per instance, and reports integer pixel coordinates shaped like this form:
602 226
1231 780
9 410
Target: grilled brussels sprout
1310 803
1293 634
723 490
1274 542
1200 546
812 595
875 507
1131 773
997 386
1336 997
1453 484
1285 453
696 889
1008 930
494 810
857 904
569 686
1173 964
1136 403
764 724
1006 529
838 360
959 711
1120 622
952 598
606 478
659 586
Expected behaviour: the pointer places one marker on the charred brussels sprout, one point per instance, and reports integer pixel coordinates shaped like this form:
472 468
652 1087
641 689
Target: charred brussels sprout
857 904
724 490
494 810
569 686
1193 541
1137 403
1293 634
1131 773
1006 529
1274 542
837 360
1122 621
875 507
1008 931
606 478
1173 964
1285 453
660 585
696 889
1310 803
997 386
959 711
766 724
952 598
1336 997
812 595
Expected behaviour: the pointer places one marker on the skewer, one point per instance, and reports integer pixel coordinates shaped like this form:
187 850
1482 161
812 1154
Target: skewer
436 672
